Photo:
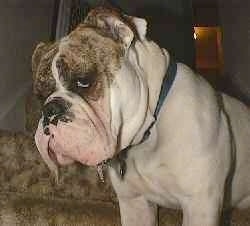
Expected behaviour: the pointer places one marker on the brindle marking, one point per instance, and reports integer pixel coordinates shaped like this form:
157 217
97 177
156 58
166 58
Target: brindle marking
85 51
44 83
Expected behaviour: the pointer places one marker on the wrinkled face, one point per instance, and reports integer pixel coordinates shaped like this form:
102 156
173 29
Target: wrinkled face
84 62
73 78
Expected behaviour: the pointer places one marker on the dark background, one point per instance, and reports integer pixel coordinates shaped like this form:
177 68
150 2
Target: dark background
24 23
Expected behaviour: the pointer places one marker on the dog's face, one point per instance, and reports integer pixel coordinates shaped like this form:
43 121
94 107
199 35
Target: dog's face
79 80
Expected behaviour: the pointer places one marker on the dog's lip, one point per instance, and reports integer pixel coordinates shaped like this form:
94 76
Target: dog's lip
57 158
51 153
42 143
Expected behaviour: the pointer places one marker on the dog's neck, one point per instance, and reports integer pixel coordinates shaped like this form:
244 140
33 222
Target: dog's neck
151 63
154 61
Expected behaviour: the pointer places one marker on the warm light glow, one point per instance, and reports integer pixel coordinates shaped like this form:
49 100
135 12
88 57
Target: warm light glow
195 36
208 48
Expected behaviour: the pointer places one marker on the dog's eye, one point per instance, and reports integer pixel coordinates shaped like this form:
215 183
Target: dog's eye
84 82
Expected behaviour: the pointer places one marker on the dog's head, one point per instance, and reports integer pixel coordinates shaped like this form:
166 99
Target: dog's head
88 85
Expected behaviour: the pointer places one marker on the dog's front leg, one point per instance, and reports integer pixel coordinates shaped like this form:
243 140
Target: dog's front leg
202 212
138 212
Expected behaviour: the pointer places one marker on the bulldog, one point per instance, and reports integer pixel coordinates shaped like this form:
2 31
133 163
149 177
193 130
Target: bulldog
167 137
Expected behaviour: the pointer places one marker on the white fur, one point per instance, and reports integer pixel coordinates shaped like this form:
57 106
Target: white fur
59 84
192 148
200 139
140 25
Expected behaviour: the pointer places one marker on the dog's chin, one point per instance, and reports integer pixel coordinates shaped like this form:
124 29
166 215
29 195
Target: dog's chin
62 160
84 155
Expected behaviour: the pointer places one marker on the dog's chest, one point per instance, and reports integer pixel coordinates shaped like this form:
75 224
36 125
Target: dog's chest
143 179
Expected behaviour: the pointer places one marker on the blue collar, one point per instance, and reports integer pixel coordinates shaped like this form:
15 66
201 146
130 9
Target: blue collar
166 85
120 160
165 88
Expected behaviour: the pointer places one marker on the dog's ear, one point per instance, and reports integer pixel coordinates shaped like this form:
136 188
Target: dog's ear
42 49
111 21
39 51
140 25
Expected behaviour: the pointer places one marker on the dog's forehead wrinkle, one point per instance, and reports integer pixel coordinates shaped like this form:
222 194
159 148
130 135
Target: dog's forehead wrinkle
84 50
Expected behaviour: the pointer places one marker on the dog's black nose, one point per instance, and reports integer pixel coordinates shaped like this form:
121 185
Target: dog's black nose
57 106
55 110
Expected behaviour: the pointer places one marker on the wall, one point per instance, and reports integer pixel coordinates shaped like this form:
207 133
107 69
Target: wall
22 24
235 21
169 24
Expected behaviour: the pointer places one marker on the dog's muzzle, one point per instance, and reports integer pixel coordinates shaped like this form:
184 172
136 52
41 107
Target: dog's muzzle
71 131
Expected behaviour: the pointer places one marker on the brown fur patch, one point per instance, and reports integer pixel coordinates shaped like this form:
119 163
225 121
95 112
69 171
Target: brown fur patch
44 83
89 52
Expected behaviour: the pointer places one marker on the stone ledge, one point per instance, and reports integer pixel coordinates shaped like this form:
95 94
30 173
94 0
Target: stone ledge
18 211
